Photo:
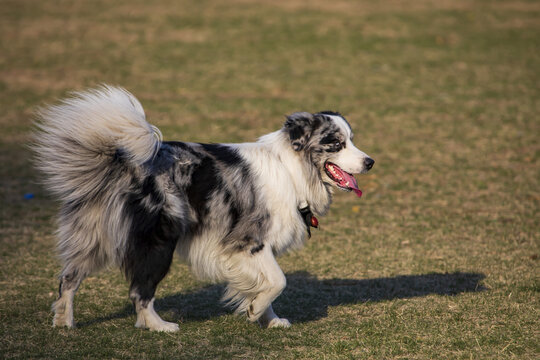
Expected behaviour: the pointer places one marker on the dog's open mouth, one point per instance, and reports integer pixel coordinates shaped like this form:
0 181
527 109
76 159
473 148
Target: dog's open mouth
343 179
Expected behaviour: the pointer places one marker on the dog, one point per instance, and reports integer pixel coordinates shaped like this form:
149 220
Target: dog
129 199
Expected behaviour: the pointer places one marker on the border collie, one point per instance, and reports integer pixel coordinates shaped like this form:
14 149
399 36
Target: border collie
129 199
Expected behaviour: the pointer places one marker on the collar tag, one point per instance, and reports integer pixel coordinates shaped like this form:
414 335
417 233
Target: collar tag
309 219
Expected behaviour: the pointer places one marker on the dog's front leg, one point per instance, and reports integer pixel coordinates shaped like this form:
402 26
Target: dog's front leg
269 319
274 282
255 282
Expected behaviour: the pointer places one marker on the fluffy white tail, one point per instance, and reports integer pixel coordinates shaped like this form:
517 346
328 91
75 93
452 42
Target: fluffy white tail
77 138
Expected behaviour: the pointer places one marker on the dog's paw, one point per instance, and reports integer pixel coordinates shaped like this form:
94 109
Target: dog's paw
167 327
61 320
279 323
162 326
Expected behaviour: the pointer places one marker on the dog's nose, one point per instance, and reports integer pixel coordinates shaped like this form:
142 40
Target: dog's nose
368 162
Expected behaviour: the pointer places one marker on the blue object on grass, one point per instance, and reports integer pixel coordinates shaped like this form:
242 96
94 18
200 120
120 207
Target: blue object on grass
28 196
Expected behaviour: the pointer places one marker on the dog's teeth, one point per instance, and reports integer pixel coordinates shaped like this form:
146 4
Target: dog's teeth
333 171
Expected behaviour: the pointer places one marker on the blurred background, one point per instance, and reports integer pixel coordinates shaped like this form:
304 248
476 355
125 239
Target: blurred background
444 95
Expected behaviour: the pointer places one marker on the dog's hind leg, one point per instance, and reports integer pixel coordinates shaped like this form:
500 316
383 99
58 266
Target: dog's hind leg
63 307
148 265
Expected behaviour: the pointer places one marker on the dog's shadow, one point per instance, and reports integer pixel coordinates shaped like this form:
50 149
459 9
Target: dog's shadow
307 298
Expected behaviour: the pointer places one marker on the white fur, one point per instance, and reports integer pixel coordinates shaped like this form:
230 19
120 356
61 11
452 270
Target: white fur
105 119
350 159
270 320
147 318
63 309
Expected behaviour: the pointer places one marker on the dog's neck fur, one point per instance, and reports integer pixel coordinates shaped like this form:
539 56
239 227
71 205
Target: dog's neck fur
304 176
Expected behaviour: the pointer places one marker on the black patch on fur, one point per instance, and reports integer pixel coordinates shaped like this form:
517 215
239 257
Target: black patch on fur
234 210
331 113
149 190
234 214
204 182
152 238
229 157
296 132
162 162
222 153
181 145
333 150
256 249
329 139
150 250
300 126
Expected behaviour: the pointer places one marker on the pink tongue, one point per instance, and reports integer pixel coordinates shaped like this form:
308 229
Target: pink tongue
352 183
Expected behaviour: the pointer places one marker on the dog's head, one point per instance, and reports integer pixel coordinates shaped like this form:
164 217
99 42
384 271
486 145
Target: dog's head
326 140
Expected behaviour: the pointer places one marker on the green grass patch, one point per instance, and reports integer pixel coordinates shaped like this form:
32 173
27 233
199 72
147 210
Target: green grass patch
438 260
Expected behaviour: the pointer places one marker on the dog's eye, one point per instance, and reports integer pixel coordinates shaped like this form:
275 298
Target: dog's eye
337 145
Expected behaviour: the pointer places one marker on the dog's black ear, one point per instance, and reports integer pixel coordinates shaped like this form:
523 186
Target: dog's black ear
299 126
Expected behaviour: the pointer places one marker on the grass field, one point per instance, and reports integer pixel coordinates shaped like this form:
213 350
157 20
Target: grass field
438 260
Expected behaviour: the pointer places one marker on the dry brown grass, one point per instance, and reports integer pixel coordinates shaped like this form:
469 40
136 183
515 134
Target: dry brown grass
439 259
